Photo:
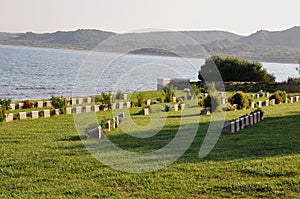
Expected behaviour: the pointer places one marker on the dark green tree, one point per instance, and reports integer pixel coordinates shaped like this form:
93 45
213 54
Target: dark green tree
234 69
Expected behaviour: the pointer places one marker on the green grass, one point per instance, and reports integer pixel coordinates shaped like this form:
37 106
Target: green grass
45 158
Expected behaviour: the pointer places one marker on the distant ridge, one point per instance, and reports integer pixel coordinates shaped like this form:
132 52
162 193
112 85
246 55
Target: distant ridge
279 46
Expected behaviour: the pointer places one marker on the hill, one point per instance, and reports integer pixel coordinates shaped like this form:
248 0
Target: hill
275 46
279 46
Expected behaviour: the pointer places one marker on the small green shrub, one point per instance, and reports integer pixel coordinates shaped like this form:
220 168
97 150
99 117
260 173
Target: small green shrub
140 99
279 96
119 95
240 99
169 92
211 101
57 102
2 113
5 103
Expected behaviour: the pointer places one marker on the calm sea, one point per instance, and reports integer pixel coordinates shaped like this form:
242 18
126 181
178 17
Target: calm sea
38 73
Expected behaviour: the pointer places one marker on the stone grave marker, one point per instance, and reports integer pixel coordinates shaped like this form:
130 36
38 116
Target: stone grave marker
88 100
146 111
182 106
22 115
114 106
148 102
206 111
34 114
47 113
254 118
242 122
291 99
272 102
56 111
223 100
125 96
95 133
9 117
88 109
79 100
259 104
296 98
68 110
121 105
251 121
127 104
229 128
247 120
174 99
175 107
107 125
40 104
48 104
73 101
78 109
237 125
12 106
266 103
21 105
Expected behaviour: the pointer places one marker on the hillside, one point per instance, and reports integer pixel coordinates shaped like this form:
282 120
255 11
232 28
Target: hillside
276 46
280 46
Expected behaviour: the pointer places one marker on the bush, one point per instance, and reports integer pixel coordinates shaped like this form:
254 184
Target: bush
5 103
2 113
211 101
119 95
168 92
279 96
57 102
140 99
240 99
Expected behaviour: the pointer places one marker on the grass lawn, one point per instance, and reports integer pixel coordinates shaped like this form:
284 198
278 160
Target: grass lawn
45 158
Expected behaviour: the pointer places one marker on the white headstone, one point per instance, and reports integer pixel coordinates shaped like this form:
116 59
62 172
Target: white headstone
68 110
182 106
95 133
146 111
175 107
40 104
34 114
10 117
174 99
56 111
148 102
22 115
79 100
73 101
87 109
47 113
12 106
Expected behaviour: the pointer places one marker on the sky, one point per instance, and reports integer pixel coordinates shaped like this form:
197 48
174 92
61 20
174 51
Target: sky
238 16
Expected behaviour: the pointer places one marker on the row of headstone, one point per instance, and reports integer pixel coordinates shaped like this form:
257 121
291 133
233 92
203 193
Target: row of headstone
260 95
38 104
33 115
176 107
120 105
82 109
243 122
96 133
75 101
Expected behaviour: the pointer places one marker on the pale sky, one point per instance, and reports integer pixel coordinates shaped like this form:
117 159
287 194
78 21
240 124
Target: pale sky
239 16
